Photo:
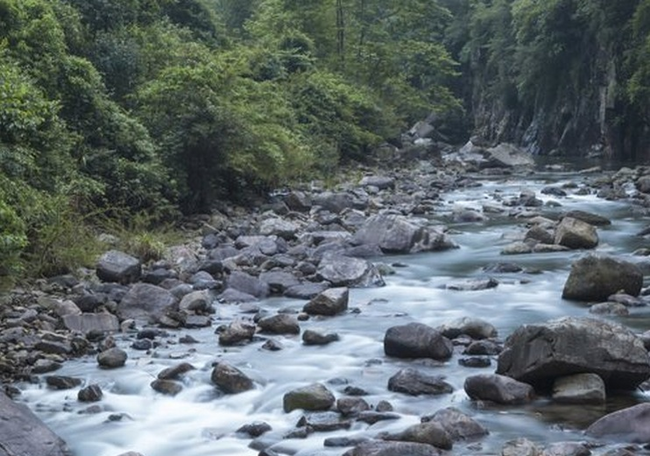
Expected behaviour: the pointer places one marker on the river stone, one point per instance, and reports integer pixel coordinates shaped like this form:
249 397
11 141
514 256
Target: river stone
254 429
307 290
175 372
476 328
343 271
413 382
397 234
506 155
230 380
540 353
576 234
314 397
92 322
458 425
631 424
334 202
579 389
23 434
609 308
430 433
116 266
381 182
112 358
236 333
351 406
196 301
298 201
567 449
166 387
62 382
499 389
520 447
145 302
588 217
379 448
330 302
516 248
247 283
596 277
416 340
279 324
91 393
312 337
279 281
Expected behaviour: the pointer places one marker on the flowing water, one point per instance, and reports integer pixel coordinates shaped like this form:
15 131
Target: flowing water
200 422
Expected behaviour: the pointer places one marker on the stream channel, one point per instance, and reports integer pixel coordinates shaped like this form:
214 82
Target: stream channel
201 422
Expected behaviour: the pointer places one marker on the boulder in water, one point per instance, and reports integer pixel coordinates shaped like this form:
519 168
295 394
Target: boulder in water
631 424
540 353
416 340
312 397
596 277
576 234
499 389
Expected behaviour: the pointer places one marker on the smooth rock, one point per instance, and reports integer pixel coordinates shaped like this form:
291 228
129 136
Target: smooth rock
596 277
230 380
412 382
499 389
631 424
116 266
416 340
579 389
313 397
329 302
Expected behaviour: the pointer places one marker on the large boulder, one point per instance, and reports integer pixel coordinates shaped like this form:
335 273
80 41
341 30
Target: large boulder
596 277
576 234
631 424
540 353
23 434
145 302
430 433
116 266
416 340
230 380
380 448
397 234
92 322
499 389
415 383
343 271
312 397
507 155
329 302
249 284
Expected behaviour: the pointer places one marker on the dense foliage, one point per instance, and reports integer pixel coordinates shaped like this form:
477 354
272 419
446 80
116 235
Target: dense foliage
116 108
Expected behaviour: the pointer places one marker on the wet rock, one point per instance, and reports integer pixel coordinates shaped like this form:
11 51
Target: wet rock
375 416
254 429
112 358
503 268
116 266
340 442
476 284
539 234
306 290
248 284
499 389
476 328
627 300
311 337
631 424
596 277
329 302
579 389
566 449
517 248
23 434
272 345
430 433
167 387
175 372
397 234
92 322
230 380
540 353
145 302
458 425
588 217
609 308
506 155
91 393
62 382
416 340
576 234
342 271
324 422
279 324
351 406
231 296
334 202
284 229
379 448
313 397
43 366
298 201
236 333
279 281
415 383
520 447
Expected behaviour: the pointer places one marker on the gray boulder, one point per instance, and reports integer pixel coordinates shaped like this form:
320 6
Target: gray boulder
458 425
476 328
116 266
379 448
279 227
23 434
499 389
279 281
343 271
631 424
579 389
279 324
334 202
520 447
145 302
112 358
380 182
415 383
236 333
230 380
397 234
506 155
540 353
298 201
576 234
430 433
248 284
329 302
314 397
416 340
92 322
596 277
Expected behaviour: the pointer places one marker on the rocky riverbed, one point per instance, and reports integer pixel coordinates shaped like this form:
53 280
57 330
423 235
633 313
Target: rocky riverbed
310 250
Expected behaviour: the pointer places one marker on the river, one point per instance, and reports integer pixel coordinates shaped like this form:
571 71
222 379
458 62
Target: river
200 422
